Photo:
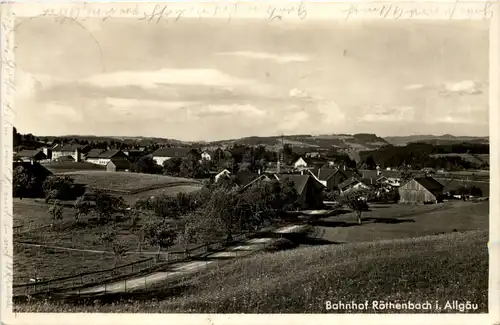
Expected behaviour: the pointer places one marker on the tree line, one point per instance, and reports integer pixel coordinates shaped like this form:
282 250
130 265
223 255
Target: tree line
418 156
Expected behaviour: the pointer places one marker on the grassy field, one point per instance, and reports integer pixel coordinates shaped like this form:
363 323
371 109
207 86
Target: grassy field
35 220
173 190
446 267
46 263
402 221
125 181
64 167
455 184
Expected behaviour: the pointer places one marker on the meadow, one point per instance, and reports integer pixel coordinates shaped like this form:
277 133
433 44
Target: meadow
382 222
125 182
443 267
455 184
65 167
385 221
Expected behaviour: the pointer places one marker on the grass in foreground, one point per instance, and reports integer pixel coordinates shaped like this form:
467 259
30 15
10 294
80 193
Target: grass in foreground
445 267
35 220
124 181
45 263
402 221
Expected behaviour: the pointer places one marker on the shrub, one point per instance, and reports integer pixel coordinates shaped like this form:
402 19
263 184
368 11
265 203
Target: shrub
280 244
60 188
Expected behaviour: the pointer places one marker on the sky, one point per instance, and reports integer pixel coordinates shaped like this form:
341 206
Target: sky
212 79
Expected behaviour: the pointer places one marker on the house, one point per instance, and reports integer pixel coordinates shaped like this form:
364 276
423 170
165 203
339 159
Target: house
205 155
224 173
94 153
31 155
428 170
313 154
134 154
74 150
65 159
105 157
421 190
244 177
351 184
118 164
309 190
382 177
331 177
166 153
300 163
264 178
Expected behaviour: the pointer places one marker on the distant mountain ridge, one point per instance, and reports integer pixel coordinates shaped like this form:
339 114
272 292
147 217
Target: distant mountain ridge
435 139
356 142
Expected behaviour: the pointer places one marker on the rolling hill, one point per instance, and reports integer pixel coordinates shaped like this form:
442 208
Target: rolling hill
435 139
360 141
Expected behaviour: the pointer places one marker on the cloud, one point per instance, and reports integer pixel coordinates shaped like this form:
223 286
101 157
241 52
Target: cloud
62 111
130 103
468 87
414 87
154 79
281 58
391 114
454 120
297 93
246 110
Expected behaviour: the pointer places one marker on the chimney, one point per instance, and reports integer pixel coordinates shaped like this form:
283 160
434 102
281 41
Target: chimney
278 167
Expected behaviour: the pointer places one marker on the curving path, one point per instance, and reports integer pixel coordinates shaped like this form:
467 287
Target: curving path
175 271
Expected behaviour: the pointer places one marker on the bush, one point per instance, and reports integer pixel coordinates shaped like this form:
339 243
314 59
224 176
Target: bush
27 181
59 188
279 245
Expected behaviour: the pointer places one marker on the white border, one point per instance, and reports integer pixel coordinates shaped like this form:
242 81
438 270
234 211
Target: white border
442 10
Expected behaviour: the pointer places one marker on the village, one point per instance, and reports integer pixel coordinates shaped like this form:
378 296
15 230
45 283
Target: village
204 165
312 169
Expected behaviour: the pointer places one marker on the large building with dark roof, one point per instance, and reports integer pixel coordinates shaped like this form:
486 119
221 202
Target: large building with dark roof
104 157
163 154
421 190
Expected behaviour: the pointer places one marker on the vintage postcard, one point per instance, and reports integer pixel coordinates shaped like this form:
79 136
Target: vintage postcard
242 162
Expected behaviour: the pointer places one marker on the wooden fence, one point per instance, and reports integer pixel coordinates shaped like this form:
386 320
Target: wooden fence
103 276
80 279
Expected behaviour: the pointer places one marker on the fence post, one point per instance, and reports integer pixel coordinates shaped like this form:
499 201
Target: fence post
125 285
104 287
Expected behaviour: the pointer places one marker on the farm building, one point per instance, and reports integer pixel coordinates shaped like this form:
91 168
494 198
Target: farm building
224 173
65 159
31 155
351 184
163 154
421 190
261 178
245 177
105 157
308 189
74 150
331 177
300 163
118 165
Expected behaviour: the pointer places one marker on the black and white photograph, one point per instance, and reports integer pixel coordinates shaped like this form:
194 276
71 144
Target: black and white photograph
166 163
